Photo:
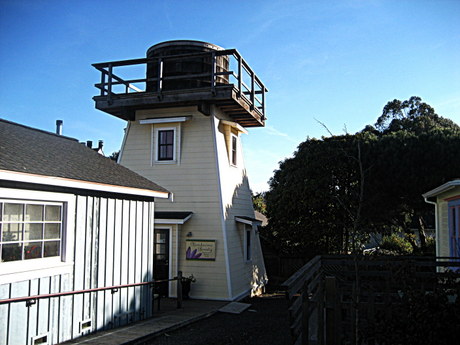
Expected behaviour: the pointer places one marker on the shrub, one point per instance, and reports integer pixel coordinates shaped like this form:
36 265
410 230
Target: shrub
396 243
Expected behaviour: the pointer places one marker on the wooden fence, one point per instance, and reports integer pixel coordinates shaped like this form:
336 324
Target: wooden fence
337 299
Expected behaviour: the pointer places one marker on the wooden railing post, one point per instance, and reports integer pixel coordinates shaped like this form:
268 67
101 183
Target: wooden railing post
160 77
179 289
240 77
213 72
102 82
253 91
263 102
109 84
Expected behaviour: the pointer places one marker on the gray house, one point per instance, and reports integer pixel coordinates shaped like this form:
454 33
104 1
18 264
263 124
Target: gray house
70 220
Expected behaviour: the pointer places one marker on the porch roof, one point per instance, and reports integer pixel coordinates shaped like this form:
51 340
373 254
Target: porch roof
172 217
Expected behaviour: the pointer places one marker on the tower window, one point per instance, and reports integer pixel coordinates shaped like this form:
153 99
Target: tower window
248 244
234 150
166 145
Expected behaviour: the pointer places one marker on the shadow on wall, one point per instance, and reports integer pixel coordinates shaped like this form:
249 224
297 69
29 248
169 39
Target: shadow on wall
247 273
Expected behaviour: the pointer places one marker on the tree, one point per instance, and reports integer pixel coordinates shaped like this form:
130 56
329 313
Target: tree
258 202
337 189
114 156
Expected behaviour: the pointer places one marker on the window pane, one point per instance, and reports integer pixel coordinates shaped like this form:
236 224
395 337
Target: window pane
33 250
52 248
13 212
12 252
163 151
34 213
33 231
169 151
166 137
52 231
169 137
12 232
53 213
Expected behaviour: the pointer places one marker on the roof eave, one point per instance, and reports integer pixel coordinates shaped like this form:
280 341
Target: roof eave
79 184
441 189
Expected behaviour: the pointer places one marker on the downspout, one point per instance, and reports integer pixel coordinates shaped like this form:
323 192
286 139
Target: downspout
435 222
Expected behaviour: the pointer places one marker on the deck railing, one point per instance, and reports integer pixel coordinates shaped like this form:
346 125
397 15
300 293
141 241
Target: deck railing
334 298
116 79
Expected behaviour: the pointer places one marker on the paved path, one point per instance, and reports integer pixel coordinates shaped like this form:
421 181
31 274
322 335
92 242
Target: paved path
167 319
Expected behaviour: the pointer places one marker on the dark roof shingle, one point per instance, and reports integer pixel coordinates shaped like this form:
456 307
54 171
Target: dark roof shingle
29 150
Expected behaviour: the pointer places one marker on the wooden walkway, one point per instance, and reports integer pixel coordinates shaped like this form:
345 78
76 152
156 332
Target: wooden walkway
167 319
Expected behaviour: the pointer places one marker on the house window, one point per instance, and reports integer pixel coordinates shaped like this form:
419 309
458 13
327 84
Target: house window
248 244
454 228
234 150
30 230
166 145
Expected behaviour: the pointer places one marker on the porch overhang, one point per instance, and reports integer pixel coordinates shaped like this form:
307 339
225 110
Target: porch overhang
248 220
172 217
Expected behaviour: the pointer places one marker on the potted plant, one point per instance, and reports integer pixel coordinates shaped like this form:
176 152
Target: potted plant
186 284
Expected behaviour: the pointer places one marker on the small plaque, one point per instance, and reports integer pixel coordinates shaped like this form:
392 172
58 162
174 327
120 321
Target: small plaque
200 250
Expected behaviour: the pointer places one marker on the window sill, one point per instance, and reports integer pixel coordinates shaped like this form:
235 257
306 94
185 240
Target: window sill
31 269
165 162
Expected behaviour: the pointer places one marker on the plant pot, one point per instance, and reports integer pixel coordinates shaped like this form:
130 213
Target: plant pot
186 285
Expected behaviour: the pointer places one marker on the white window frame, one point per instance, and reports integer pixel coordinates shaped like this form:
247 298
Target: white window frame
234 162
12 271
155 144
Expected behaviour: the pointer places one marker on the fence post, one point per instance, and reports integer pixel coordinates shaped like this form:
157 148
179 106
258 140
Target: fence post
320 313
305 315
179 289
331 310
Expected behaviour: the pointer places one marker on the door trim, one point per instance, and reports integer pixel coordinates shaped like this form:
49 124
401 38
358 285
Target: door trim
169 228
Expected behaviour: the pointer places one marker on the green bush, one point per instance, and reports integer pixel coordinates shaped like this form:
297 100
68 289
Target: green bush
396 243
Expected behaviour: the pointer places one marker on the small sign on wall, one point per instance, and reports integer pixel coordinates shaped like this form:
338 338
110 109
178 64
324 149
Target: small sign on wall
200 250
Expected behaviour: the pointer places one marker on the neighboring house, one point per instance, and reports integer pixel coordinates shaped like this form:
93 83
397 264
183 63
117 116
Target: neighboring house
446 199
70 219
184 131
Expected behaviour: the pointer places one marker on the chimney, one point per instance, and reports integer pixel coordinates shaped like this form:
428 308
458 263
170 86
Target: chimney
59 127
100 144
89 144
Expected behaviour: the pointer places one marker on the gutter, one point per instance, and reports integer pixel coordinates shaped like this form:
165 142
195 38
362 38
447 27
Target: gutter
435 221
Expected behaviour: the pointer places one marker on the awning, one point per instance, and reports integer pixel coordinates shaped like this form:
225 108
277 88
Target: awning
247 220
172 217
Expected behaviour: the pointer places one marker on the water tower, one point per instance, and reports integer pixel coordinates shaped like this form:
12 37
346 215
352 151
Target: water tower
186 104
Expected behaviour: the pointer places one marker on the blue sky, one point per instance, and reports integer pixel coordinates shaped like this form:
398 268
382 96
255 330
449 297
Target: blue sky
338 62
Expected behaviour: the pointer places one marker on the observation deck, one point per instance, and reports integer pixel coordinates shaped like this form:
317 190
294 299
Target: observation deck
215 77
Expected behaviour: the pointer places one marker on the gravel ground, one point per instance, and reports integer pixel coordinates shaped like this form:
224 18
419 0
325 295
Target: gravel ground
265 322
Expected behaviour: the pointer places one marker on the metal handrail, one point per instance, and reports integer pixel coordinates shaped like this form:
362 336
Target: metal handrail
33 299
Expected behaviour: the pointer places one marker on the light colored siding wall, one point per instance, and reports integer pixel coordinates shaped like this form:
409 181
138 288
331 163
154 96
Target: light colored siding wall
100 259
237 201
443 246
194 184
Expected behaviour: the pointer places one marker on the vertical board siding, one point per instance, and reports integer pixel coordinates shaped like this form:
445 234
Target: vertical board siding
4 308
111 247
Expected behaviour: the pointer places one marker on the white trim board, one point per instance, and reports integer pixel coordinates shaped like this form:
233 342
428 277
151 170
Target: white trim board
164 120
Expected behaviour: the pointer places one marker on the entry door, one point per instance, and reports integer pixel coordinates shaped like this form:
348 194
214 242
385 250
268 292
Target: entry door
161 259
